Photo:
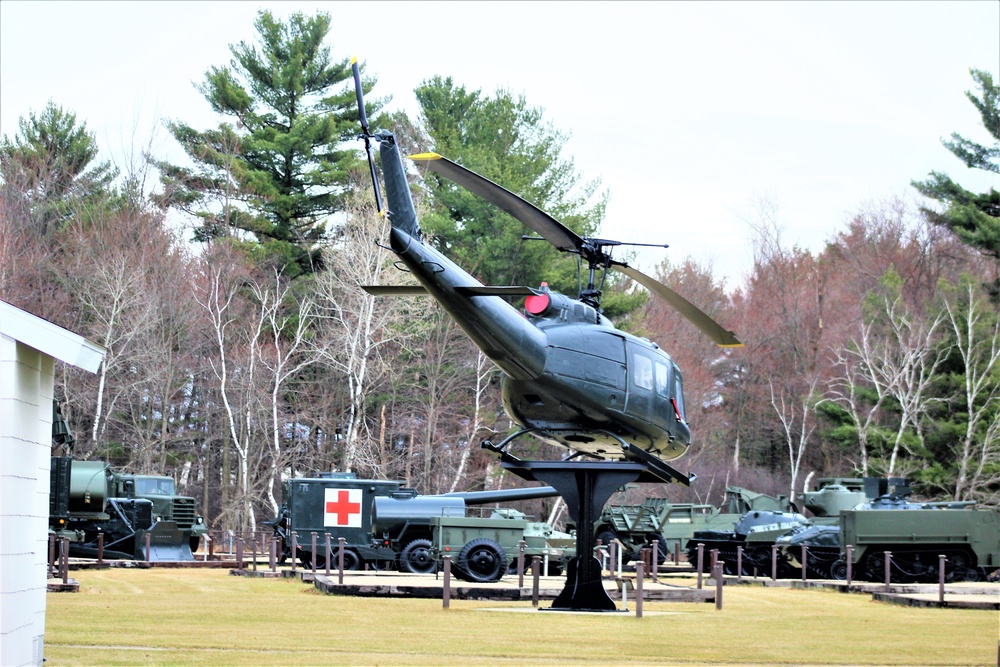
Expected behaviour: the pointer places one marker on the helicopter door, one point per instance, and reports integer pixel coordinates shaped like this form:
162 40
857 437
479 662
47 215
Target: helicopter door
641 384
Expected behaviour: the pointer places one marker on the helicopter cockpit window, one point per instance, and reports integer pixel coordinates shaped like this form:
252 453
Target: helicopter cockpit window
642 375
661 379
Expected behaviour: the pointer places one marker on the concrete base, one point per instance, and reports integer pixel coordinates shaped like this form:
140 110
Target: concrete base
57 586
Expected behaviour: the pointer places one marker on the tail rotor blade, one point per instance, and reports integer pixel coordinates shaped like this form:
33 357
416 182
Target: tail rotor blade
356 70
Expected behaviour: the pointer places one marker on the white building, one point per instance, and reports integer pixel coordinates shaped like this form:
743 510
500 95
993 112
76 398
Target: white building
29 348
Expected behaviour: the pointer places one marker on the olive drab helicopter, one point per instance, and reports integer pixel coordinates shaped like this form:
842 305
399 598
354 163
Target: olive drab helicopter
613 400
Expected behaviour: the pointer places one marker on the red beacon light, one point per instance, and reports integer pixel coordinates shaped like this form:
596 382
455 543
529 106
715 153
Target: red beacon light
536 304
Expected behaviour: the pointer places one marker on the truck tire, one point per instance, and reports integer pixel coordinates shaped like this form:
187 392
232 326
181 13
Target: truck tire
351 560
482 560
416 558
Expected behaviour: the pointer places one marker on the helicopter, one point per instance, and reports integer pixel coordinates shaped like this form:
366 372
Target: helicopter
613 400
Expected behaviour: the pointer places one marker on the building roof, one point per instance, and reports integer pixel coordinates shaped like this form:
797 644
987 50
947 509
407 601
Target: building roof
49 338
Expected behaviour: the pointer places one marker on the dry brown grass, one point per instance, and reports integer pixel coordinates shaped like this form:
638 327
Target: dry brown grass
207 617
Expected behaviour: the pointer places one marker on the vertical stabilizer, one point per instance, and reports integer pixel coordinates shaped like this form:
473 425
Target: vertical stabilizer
401 213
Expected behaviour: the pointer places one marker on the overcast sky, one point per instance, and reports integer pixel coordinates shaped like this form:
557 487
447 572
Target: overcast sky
690 113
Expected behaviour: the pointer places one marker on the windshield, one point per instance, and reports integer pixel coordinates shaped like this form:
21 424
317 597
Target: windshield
154 486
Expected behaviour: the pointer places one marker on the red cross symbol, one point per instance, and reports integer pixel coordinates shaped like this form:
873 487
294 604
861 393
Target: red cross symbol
341 509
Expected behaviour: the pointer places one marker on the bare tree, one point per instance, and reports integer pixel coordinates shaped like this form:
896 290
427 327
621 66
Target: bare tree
354 326
978 345
283 352
232 331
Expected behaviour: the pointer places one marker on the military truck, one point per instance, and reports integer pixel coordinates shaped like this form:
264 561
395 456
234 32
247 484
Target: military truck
673 524
89 498
383 523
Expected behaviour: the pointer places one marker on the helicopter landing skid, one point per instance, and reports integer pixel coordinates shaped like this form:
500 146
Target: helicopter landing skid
586 486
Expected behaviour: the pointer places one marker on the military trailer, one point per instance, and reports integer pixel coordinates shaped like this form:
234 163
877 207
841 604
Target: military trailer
89 498
383 523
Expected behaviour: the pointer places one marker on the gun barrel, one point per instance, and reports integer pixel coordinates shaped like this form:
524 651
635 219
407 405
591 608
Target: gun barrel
503 495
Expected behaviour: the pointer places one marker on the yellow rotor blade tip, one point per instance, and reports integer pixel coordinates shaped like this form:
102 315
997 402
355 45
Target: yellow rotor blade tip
425 156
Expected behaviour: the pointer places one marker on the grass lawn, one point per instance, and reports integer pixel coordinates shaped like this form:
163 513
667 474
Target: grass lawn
207 617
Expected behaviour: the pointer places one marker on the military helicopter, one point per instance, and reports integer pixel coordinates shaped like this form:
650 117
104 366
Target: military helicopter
570 377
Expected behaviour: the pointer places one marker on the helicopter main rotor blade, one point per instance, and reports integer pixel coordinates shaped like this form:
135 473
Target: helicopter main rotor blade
553 231
691 312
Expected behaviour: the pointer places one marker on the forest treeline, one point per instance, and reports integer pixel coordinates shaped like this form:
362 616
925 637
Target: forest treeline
250 353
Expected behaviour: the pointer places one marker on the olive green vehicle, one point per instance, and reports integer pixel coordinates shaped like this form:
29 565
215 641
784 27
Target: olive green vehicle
384 524
759 530
968 537
484 548
673 524
89 499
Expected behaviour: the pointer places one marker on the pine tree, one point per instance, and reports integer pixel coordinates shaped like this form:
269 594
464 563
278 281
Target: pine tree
974 218
273 176
49 168
507 141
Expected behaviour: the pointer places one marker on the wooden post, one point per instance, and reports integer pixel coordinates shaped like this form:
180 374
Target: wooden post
655 560
148 548
805 564
520 563
739 562
295 552
536 570
340 560
639 576
701 561
941 562
677 552
328 554
313 533
850 562
253 547
888 572
446 586
272 558
718 586
100 548
52 555
613 557
64 559
774 563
